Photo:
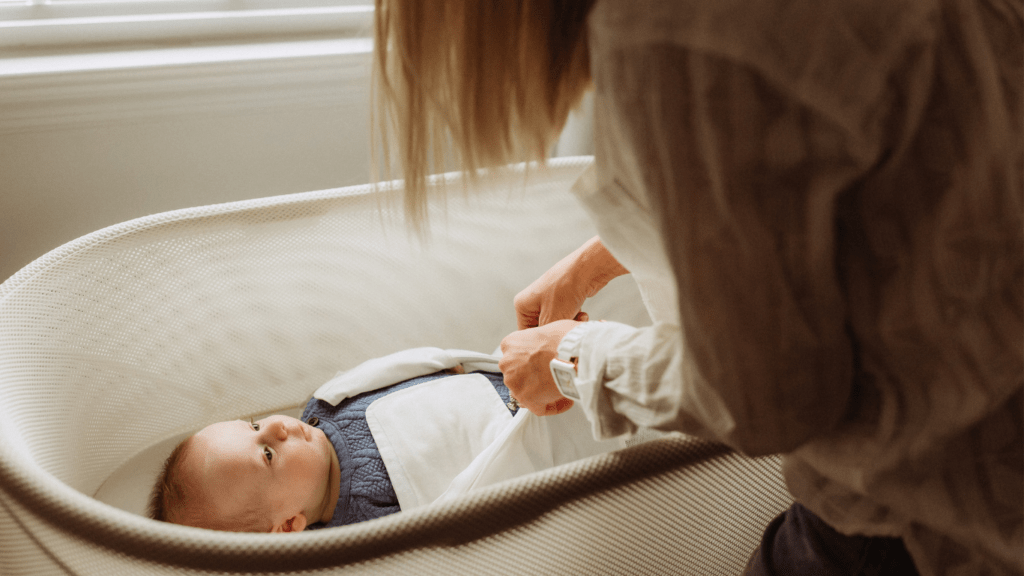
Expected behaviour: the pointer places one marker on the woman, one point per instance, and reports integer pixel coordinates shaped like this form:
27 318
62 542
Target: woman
821 202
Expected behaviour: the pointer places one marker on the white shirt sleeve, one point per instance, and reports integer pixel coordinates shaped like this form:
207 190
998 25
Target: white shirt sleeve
620 377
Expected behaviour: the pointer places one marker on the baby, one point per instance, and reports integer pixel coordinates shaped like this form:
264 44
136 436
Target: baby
277 474
281 474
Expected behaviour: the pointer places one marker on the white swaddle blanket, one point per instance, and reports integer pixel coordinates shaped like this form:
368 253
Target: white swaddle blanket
452 435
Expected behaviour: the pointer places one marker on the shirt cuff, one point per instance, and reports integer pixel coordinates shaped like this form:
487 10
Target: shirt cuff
592 341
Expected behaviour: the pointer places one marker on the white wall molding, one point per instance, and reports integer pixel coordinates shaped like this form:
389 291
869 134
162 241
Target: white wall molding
73 90
73 24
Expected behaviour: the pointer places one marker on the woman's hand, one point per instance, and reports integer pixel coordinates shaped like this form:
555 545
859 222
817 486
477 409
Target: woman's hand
560 292
525 362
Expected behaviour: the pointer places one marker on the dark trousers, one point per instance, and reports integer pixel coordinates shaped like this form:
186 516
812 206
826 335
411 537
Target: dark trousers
798 543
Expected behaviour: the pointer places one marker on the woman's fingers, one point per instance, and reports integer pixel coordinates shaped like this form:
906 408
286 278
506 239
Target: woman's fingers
525 362
527 304
545 301
561 291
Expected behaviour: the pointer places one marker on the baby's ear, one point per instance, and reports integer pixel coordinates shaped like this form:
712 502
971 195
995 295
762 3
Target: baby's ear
296 523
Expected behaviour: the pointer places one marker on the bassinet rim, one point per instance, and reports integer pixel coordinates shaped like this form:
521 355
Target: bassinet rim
70 248
125 228
443 524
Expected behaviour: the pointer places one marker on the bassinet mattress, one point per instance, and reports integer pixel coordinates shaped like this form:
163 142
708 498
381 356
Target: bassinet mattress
129 337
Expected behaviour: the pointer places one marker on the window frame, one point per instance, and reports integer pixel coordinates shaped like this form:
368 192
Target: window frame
80 24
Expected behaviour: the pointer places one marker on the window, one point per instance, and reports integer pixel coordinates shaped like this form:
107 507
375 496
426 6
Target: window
84 63
60 24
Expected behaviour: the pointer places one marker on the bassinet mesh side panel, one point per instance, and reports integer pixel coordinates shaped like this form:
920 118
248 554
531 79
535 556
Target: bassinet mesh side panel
155 327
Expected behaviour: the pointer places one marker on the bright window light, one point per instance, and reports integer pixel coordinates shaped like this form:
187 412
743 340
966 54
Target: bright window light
63 23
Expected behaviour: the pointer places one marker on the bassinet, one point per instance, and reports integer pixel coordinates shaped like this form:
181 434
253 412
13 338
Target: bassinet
116 344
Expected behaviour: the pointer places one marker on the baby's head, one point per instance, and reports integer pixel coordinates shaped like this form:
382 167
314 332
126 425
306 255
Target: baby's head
277 474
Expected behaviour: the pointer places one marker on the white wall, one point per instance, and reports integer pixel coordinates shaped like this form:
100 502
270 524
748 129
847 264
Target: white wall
81 150
58 185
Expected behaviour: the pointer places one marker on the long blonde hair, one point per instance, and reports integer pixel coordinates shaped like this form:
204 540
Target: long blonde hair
473 83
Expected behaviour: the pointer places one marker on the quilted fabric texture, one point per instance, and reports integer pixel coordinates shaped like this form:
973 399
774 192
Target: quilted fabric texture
363 475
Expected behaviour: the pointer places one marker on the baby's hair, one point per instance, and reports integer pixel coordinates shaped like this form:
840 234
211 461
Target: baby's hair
175 496
170 493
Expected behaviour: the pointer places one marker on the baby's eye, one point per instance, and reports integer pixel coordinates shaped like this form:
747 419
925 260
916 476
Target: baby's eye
255 425
268 454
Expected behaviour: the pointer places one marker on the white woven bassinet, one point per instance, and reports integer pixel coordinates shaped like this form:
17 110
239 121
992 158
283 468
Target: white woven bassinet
115 345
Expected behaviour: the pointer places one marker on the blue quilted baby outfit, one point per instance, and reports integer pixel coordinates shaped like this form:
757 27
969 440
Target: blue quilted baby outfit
366 491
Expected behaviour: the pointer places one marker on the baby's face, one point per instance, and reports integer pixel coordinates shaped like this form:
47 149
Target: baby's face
286 466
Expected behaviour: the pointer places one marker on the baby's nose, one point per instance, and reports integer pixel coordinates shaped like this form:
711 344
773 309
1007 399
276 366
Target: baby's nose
281 431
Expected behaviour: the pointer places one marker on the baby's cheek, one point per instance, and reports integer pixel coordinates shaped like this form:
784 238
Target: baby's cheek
326 449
